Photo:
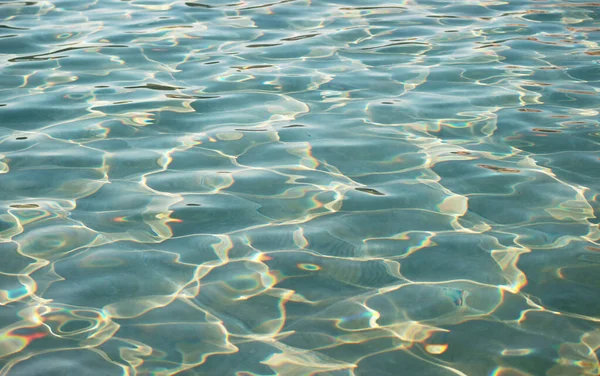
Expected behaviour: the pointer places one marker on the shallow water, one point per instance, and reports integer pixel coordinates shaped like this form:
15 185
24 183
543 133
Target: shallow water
299 187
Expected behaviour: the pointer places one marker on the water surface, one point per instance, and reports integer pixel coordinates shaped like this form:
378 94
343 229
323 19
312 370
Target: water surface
299 187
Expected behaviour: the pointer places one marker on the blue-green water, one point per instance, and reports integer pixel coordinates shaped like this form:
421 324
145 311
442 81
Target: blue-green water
299 187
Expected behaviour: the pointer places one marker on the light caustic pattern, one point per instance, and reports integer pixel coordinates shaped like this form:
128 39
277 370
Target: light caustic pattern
299 187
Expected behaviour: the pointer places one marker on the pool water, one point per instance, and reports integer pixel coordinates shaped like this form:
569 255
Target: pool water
299 187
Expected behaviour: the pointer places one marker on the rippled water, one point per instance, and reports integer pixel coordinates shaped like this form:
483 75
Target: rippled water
299 187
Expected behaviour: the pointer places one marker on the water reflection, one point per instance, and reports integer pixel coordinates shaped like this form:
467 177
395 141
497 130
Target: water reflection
299 188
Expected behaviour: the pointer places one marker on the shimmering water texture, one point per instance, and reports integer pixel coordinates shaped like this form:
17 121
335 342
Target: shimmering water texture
299 187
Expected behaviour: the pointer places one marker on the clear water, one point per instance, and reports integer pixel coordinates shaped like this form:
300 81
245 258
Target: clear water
299 187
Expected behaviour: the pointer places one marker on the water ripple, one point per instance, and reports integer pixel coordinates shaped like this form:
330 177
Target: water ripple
299 187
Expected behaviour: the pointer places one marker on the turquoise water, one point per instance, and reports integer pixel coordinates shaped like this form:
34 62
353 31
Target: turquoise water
299 187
